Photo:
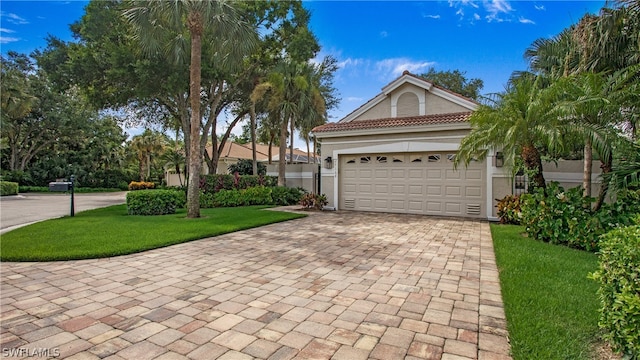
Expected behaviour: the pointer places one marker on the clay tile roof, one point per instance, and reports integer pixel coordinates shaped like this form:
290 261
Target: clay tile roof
395 122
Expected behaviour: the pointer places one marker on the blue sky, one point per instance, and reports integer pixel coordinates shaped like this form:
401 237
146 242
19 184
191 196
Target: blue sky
373 41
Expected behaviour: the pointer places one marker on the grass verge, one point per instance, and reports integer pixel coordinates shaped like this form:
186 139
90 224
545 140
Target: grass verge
110 232
551 305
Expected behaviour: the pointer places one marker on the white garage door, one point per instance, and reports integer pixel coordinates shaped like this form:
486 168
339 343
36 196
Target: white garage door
420 183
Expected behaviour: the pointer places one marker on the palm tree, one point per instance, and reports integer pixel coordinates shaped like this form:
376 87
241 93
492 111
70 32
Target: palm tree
518 124
160 26
174 158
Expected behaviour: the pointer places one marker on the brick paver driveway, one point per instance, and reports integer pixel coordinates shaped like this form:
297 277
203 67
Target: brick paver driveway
342 285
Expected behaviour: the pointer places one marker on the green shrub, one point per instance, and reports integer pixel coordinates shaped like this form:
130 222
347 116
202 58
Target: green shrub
566 217
154 202
284 196
8 188
314 201
509 210
227 198
258 195
141 185
619 278
213 183
207 200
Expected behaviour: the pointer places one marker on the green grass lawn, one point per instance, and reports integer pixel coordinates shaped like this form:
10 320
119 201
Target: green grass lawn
110 232
550 303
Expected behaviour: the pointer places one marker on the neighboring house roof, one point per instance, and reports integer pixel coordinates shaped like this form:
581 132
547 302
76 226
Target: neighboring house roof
232 150
435 119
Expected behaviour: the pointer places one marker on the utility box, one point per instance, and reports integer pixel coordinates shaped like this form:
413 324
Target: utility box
60 186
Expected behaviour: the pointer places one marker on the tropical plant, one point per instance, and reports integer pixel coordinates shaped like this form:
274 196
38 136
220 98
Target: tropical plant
161 28
517 123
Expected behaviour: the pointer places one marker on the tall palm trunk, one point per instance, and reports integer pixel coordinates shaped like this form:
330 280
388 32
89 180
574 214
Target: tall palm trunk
252 119
607 167
283 152
533 162
195 161
588 168
293 128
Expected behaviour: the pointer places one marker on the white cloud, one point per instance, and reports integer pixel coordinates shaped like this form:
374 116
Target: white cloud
394 67
496 8
350 62
6 40
13 18
384 34
476 16
471 3
6 31
539 7
431 16
354 99
526 21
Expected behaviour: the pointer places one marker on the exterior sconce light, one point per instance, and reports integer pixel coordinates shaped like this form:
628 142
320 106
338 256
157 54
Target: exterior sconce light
328 162
499 159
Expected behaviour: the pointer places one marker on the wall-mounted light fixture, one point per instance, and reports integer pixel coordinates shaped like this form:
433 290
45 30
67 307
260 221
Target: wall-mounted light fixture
499 159
328 162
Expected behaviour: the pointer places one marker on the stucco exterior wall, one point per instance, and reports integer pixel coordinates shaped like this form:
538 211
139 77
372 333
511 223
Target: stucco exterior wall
438 105
298 175
379 111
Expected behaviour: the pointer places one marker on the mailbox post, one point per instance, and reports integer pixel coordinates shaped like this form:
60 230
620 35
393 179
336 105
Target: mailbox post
65 186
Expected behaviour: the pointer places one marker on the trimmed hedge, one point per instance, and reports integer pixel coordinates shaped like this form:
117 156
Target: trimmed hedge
619 277
257 195
215 182
8 188
154 202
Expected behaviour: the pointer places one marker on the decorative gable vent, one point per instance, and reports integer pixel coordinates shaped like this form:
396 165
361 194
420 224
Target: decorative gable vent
349 203
473 209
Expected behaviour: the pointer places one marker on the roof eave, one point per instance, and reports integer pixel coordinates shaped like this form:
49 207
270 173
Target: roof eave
394 130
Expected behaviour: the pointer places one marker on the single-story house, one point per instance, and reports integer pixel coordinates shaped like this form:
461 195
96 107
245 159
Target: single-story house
233 152
395 154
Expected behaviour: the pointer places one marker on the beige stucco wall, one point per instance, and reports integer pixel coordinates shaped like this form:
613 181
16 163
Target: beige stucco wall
379 111
438 105
298 175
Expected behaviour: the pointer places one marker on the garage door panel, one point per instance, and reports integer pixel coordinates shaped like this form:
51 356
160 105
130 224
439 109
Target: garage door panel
381 188
381 173
473 191
420 183
434 174
416 174
473 175
397 174
453 208
433 190
452 175
453 191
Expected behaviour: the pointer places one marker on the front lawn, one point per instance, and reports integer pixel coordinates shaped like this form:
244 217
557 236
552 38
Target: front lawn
550 303
110 232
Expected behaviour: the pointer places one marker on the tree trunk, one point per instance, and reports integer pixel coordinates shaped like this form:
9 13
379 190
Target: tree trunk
195 159
252 120
283 152
270 149
148 166
607 167
588 164
291 138
533 163
308 151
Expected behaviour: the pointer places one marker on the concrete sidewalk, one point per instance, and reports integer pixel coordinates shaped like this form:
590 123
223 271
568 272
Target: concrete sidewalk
24 209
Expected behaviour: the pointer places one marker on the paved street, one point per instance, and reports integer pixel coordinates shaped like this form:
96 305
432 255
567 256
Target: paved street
334 285
27 208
